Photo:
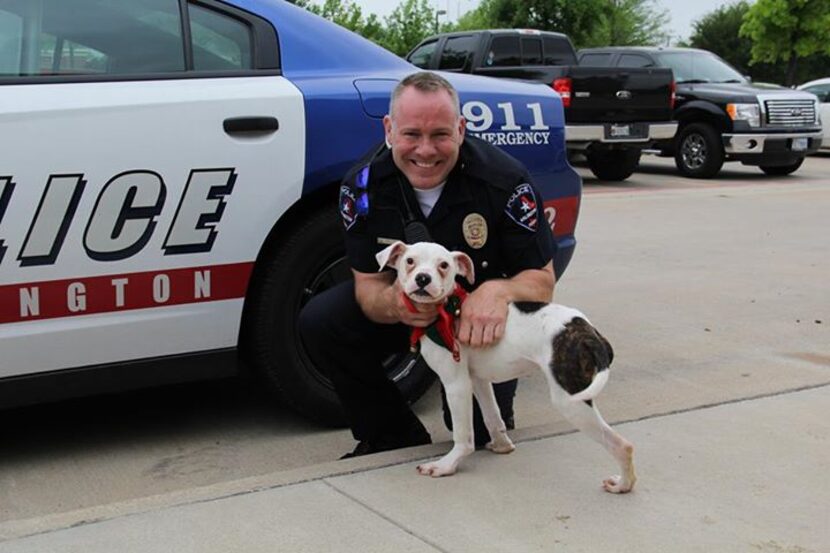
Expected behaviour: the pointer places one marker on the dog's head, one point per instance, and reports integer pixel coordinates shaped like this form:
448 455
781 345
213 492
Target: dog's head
426 271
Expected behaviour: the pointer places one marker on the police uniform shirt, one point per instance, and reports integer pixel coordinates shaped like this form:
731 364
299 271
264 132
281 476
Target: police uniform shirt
489 209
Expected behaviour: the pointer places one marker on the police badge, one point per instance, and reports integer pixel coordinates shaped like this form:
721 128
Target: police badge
474 228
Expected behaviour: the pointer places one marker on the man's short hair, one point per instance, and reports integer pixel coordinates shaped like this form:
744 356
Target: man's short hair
425 81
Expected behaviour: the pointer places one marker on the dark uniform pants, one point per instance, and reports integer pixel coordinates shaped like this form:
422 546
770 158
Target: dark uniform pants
351 349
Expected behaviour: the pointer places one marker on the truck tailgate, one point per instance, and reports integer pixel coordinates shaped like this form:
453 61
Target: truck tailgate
621 95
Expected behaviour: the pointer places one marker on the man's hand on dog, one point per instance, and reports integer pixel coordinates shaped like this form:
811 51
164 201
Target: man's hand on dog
483 316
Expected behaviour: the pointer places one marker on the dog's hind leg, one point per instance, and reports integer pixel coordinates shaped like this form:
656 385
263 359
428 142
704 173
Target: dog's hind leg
499 440
588 420
459 391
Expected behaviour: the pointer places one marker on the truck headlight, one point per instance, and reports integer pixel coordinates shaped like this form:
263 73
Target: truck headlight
750 113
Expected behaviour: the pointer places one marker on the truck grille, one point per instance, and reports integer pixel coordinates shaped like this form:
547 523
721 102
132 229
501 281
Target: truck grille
790 113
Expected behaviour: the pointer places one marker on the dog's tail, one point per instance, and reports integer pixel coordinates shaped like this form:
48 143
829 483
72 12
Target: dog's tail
594 388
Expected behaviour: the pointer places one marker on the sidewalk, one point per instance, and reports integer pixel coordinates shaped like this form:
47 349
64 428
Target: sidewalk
749 476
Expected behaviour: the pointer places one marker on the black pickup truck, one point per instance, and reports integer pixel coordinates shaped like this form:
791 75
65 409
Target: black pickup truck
722 115
611 114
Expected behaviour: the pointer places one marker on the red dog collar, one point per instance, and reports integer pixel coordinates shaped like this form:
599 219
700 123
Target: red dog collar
441 331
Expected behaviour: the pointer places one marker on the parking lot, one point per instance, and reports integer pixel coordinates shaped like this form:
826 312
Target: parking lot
710 292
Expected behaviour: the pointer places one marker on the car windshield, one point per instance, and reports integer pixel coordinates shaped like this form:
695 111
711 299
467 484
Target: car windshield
699 67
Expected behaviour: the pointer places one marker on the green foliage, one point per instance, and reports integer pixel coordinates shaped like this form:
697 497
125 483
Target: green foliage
717 31
587 22
786 31
631 23
411 22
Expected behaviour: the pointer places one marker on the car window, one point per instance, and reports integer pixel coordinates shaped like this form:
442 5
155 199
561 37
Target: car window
531 51
822 91
220 42
634 60
456 51
422 55
595 60
558 51
504 51
56 37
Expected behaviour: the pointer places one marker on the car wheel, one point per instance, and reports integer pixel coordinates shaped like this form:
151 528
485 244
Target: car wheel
781 170
613 165
699 152
307 260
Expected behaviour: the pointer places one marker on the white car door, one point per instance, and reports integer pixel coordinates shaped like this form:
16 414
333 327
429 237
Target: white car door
142 162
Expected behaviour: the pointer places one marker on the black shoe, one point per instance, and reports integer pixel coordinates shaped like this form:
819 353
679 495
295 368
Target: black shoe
367 447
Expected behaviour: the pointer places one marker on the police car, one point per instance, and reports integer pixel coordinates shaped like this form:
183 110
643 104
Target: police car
168 187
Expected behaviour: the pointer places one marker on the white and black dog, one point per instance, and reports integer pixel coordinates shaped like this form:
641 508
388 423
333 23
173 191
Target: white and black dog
552 338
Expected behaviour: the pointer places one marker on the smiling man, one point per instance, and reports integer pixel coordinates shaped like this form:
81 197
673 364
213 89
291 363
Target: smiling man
428 182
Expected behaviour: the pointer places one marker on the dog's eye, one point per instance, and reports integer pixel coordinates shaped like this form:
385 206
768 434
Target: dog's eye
410 261
444 266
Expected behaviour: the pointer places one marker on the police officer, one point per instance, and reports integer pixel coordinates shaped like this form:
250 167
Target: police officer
427 182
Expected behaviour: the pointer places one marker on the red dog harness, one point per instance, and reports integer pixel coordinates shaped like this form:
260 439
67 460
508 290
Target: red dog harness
441 331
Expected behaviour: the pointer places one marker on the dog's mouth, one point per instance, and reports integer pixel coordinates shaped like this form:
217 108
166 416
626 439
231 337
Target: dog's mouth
422 295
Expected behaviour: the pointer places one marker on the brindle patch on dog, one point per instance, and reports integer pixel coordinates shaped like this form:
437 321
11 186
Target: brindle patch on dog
579 352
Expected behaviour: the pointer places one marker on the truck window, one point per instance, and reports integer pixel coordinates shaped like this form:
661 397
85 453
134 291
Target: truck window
53 37
558 51
504 51
456 51
595 60
422 55
634 60
220 42
531 51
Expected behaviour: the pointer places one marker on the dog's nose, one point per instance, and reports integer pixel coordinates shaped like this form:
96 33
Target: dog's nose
422 280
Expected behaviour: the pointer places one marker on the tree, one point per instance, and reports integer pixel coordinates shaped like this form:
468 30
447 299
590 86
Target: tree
587 22
786 31
717 32
409 24
631 23
346 14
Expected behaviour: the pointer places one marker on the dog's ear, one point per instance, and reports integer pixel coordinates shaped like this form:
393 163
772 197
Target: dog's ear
464 266
389 255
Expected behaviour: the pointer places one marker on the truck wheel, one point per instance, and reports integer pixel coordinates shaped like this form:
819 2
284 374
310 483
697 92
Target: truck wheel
613 165
781 170
699 153
303 262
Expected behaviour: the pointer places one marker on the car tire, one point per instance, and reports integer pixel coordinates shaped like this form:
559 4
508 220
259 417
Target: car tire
782 170
613 165
699 153
304 261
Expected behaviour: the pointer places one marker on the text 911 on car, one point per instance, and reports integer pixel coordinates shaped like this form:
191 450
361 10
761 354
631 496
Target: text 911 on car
168 188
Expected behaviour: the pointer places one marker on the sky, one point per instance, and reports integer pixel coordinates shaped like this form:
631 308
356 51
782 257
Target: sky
682 12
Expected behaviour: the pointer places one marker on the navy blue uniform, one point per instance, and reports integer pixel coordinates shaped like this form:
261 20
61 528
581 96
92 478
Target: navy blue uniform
489 209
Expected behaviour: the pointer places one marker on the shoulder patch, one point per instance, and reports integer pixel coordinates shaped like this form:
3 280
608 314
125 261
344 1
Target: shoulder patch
522 208
348 211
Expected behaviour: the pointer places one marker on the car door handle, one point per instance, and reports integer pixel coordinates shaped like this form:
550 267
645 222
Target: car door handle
243 125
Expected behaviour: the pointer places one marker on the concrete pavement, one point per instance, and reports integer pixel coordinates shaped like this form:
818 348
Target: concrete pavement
742 476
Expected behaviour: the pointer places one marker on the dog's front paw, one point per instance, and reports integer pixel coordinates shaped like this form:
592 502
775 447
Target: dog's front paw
437 469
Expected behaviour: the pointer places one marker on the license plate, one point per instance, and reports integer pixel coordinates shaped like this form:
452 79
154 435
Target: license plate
799 144
619 131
